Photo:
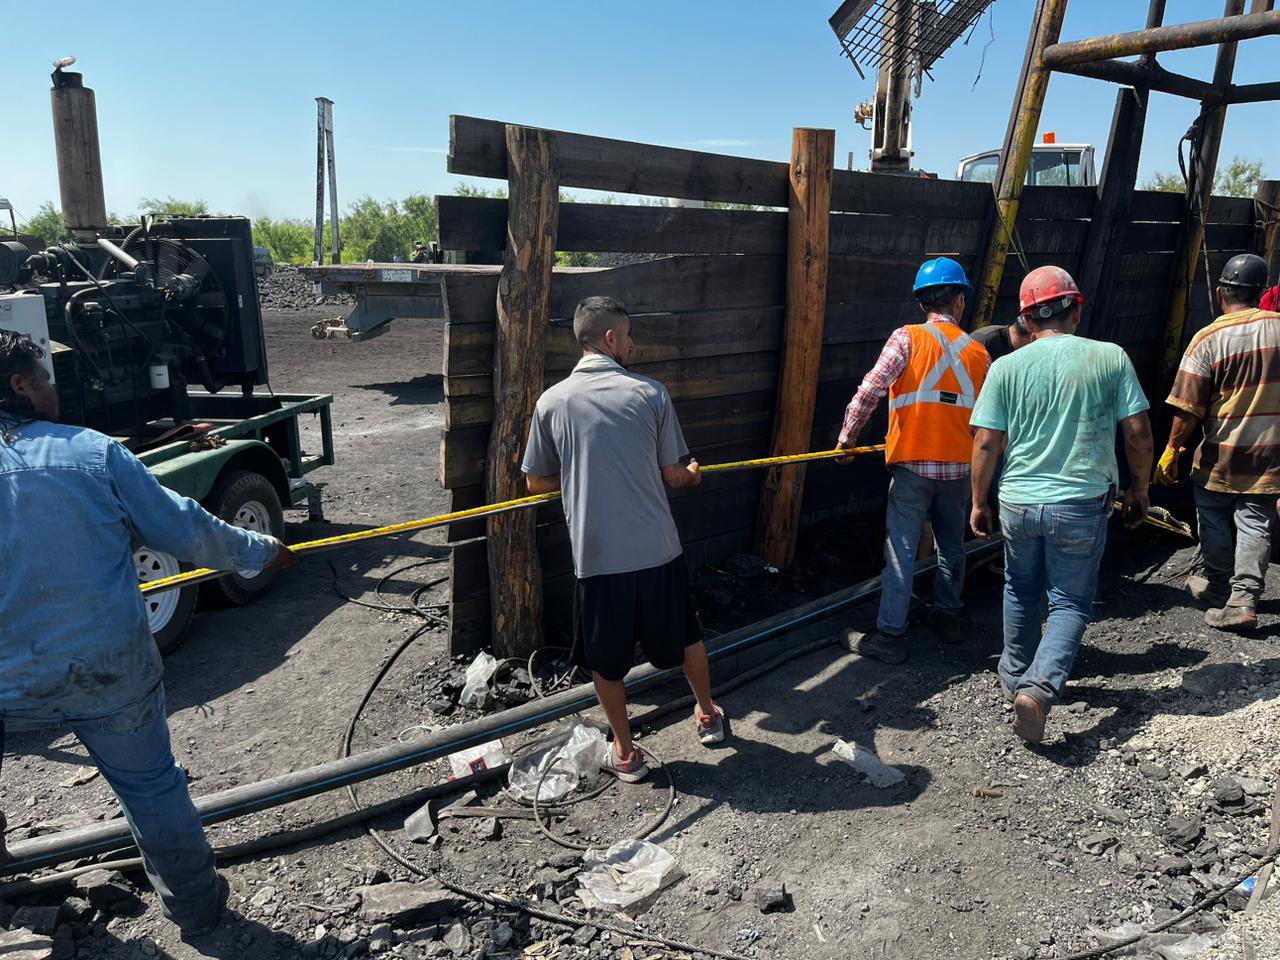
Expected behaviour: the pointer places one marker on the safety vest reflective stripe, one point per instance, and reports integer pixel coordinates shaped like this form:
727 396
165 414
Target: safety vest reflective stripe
950 360
953 399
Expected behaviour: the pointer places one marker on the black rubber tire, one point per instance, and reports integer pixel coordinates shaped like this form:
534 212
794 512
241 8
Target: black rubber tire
232 491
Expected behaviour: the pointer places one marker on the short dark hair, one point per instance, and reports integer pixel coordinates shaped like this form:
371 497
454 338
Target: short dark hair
593 316
1249 296
941 298
19 356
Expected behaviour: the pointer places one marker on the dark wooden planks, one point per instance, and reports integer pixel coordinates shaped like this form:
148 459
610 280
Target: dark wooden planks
477 148
477 223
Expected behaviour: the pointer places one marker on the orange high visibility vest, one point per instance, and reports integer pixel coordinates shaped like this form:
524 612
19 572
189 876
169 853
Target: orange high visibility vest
930 404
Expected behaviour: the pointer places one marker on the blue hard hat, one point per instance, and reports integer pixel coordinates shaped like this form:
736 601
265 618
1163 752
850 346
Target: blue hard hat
942 272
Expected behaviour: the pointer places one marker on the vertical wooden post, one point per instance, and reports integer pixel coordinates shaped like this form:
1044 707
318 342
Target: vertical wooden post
808 246
1267 203
320 147
524 306
1213 117
1016 157
1100 265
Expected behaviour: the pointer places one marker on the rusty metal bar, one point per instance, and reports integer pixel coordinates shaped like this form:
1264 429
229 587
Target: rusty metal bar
1017 155
1253 92
1201 33
1146 76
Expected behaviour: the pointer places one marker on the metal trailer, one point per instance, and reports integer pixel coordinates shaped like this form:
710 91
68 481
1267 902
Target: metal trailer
248 470
383 292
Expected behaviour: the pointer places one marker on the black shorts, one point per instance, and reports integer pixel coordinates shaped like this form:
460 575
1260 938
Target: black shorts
615 611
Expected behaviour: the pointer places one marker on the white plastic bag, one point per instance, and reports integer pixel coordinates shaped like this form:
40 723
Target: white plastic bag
626 873
474 759
572 761
867 763
1168 945
476 690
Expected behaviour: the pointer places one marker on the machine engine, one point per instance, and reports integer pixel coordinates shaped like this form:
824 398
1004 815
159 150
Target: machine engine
141 312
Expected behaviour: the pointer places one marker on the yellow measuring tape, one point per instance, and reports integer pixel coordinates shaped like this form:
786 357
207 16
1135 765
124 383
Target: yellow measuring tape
191 577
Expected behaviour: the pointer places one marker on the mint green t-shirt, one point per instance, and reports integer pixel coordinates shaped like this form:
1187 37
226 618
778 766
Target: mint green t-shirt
1059 399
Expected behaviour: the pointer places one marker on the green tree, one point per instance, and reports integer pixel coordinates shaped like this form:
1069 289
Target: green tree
172 207
1239 178
289 240
47 225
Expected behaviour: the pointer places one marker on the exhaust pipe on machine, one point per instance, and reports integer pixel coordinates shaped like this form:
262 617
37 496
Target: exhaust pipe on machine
75 130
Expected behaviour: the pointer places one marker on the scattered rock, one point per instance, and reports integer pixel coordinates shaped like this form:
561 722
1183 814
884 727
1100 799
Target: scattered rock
584 935
487 828
1227 791
1183 832
457 939
264 896
502 936
407 904
22 944
1192 771
374 875
107 890
1173 866
380 938
1098 842
1153 771
771 896
39 920
76 910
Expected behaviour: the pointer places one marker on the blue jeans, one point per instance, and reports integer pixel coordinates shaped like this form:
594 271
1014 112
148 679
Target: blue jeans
913 499
1247 569
1055 547
131 750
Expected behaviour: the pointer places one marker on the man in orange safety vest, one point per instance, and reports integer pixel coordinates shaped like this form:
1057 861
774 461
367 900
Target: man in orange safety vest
932 373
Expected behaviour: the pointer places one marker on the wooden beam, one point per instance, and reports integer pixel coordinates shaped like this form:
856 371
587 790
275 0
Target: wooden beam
1213 119
1100 266
524 306
1016 156
808 249
477 148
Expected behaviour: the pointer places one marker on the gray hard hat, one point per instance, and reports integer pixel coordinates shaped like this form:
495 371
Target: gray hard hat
1244 270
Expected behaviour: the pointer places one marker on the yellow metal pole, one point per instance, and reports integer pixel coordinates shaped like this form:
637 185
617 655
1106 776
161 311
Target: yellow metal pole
1017 155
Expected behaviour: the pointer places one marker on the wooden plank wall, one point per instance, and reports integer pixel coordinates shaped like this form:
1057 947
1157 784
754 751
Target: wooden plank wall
708 318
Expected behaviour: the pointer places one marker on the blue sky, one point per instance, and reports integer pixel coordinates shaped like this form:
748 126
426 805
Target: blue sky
216 101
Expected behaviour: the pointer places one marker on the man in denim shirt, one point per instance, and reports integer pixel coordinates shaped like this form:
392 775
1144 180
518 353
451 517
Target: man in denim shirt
1057 402
75 648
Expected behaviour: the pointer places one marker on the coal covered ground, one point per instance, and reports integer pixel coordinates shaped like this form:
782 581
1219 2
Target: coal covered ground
1154 783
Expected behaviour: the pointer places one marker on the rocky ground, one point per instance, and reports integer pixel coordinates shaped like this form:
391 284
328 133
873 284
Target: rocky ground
1153 787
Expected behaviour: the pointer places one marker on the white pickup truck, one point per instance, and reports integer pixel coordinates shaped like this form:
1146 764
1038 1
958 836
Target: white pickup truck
1052 165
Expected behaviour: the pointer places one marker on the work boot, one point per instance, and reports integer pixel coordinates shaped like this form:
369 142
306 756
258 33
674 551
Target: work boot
1234 619
1029 716
946 626
877 645
1201 589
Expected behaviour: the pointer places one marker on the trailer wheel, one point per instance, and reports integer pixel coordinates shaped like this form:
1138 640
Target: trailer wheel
247 500
168 613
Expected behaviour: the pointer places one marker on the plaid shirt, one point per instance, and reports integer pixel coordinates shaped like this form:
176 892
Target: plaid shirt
875 386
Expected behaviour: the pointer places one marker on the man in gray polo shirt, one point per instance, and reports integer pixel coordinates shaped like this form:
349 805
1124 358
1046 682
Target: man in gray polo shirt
609 439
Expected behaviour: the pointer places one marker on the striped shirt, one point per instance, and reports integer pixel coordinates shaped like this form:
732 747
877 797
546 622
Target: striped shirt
1230 378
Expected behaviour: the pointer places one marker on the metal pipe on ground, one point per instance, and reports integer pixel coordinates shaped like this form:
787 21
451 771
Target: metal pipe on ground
227 804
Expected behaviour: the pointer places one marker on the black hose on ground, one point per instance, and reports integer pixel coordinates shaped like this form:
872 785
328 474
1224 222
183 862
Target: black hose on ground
493 899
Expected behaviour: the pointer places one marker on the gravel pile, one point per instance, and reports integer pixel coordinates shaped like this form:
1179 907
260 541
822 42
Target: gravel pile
285 288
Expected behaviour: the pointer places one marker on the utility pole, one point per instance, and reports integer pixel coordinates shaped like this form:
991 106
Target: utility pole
325 159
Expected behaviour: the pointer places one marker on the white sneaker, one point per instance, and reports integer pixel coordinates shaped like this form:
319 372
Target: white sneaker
710 728
629 769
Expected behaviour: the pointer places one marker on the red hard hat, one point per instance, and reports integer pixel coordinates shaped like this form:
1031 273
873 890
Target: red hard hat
1051 289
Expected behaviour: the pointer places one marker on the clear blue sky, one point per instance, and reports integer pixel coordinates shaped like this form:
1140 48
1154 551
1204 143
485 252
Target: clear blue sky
216 101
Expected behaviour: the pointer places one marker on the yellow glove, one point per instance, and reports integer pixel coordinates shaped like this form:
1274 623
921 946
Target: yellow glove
1167 468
